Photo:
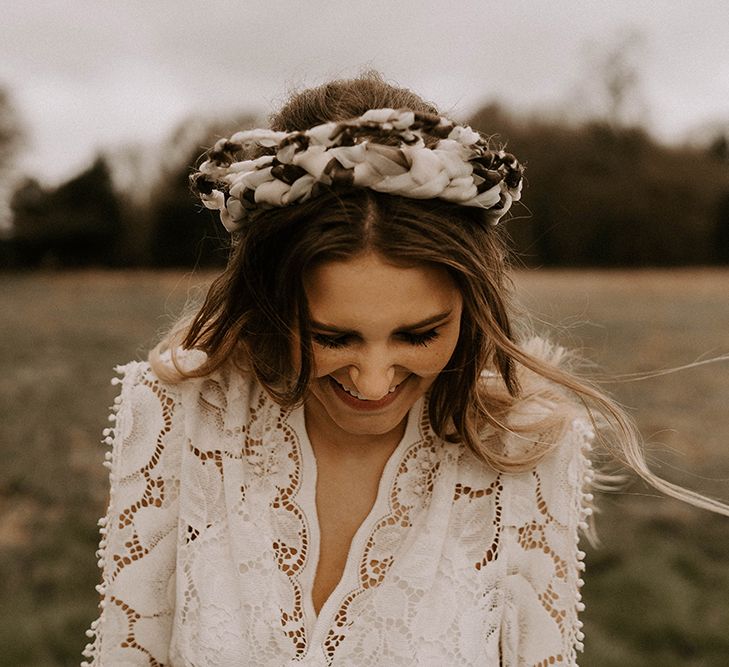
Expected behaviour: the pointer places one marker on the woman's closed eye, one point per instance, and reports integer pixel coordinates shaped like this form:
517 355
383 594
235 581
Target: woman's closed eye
334 342
342 340
421 339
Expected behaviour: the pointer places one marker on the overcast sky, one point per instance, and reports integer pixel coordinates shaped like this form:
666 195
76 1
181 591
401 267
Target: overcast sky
90 74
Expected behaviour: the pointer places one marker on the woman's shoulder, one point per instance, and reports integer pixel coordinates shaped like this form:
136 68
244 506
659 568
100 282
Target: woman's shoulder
171 381
544 434
547 416
184 369
158 408
552 430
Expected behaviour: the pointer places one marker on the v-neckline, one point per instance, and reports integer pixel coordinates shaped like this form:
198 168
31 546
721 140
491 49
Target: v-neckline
318 624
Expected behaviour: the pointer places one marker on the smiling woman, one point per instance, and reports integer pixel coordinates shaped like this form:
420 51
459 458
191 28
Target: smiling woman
349 455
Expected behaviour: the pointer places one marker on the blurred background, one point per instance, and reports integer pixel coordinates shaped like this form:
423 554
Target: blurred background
620 112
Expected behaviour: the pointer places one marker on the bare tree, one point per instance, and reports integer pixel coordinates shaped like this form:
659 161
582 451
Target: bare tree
11 136
619 73
609 89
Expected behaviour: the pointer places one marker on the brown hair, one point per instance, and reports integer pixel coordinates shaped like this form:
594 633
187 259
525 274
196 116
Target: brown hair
257 307
344 99
256 302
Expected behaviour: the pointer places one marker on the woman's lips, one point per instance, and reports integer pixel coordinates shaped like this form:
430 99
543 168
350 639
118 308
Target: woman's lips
359 404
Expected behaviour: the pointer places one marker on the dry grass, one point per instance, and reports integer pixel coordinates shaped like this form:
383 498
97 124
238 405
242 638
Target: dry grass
658 588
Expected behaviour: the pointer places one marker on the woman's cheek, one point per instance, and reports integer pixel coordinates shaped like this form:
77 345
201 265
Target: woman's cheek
327 361
437 361
428 361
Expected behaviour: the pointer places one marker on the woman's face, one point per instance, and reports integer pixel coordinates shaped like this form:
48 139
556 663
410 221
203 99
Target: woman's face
381 334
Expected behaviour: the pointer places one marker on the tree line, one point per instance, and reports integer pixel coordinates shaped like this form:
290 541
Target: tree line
600 194
596 194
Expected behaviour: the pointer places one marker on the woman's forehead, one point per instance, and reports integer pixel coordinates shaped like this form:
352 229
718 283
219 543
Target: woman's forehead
366 288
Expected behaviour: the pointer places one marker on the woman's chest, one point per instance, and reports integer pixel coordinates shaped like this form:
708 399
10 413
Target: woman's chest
344 500
400 579
399 557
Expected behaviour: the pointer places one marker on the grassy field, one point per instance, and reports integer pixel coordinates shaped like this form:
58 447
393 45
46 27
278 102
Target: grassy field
657 588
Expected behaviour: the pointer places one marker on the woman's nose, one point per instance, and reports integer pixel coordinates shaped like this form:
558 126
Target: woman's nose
372 377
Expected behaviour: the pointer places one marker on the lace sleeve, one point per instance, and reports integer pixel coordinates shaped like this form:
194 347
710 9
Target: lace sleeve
139 532
544 512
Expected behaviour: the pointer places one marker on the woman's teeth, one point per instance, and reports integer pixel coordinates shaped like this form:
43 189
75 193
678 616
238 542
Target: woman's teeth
352 392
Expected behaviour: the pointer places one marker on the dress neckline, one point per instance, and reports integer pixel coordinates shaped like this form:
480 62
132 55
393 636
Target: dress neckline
318 625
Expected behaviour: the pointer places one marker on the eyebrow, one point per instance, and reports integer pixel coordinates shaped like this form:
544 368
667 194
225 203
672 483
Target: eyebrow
428 321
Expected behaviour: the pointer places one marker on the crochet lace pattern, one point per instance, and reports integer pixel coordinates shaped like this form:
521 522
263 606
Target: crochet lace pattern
399 152
210 544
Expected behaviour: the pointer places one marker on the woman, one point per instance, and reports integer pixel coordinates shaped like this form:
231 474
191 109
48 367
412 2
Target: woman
350 455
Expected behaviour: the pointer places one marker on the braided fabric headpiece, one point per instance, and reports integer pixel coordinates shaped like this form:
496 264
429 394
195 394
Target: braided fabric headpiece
398 152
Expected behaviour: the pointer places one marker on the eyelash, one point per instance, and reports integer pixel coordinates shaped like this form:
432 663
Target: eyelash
416 339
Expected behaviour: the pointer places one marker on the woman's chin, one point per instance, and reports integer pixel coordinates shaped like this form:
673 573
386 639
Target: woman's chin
366 418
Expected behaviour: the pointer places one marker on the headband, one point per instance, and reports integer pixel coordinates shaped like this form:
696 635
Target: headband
398 152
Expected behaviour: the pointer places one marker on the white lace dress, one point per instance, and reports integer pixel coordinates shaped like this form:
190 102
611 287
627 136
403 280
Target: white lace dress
210 544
